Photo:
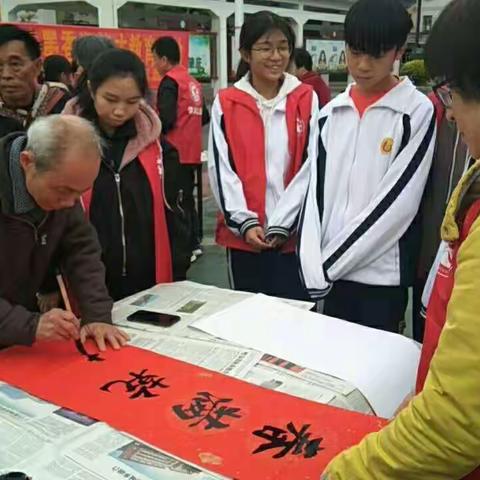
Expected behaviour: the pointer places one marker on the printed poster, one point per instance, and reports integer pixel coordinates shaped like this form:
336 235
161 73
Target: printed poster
327 55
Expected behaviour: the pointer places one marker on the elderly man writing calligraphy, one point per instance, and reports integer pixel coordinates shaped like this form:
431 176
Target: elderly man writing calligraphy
42 175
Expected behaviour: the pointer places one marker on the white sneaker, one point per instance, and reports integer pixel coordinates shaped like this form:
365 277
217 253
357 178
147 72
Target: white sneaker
193 258
198 252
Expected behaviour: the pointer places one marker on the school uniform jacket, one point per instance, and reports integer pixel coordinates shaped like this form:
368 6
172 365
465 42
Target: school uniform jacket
365 190
259 150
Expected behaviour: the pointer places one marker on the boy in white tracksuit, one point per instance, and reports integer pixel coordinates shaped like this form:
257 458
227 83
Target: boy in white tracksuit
357 228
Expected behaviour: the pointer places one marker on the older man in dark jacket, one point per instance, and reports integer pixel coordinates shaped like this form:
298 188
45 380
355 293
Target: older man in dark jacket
42 175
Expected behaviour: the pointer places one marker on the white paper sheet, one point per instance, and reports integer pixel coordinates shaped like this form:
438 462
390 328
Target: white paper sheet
381 365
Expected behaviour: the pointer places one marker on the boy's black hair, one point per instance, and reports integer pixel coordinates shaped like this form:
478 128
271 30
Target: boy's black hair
302 58
453 49
54 66
9 33
167 47
374 27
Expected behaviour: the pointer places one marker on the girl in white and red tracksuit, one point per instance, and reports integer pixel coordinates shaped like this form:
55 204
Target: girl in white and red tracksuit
258 149
126 204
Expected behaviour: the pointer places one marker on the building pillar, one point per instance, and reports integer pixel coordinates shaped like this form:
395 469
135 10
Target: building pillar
107 13
298 27
219 25
239 19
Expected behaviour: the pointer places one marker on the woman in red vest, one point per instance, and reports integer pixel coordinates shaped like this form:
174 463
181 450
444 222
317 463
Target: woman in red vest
437 436
126 204
263 132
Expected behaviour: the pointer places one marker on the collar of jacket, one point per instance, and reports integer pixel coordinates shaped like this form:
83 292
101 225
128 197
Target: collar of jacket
396 99
290 83
6 190
468 185
46 97
147 124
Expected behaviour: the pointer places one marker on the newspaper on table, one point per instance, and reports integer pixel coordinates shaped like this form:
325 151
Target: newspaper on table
283 376
257 368
194 301
381 364
51 443
191 301
220 357
30 427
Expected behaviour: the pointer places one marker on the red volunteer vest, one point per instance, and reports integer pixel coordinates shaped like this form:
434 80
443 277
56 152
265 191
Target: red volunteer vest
151 161
186 136
247 147
437 307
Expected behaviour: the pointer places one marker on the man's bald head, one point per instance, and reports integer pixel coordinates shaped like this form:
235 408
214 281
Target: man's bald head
61 160
50 138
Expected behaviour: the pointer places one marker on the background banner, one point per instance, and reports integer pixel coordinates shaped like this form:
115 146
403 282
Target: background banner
58 39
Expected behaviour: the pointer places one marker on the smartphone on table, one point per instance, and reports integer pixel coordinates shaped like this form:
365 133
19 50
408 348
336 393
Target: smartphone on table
164 320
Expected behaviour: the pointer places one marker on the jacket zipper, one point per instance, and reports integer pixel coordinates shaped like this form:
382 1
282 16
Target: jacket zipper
35 228
122 221
349 183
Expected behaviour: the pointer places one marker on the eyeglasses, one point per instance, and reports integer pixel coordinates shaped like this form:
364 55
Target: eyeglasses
443 92
268 51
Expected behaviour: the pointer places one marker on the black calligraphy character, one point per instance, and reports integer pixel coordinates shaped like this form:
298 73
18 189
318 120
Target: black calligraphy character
91 357
299 443
209 409
139 385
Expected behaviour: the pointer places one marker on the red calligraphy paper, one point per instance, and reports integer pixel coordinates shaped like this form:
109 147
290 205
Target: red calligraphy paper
58 39
160 409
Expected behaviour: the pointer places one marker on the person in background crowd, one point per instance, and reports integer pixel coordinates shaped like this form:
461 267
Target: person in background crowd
182 112
57 69
358 238
436 436
303 70
450 161
43 173
126 205
264 132
22 98
84 51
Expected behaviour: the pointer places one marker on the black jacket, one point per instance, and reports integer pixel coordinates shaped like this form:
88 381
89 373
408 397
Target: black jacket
122 213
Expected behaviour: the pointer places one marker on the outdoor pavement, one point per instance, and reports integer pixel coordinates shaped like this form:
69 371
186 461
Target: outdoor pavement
211 267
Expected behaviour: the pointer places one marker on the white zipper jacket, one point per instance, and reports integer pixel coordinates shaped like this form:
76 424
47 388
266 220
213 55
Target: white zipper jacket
365 191
226 185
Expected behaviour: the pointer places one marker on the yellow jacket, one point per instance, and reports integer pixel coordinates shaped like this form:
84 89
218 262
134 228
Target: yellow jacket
437 437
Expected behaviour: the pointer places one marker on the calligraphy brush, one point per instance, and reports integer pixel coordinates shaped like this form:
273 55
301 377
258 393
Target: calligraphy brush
92 357
68 307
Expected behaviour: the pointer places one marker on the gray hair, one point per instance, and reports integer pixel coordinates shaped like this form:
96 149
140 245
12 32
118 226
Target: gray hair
86 49
48 138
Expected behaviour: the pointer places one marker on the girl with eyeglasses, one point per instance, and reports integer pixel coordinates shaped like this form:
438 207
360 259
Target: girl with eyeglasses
264 131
